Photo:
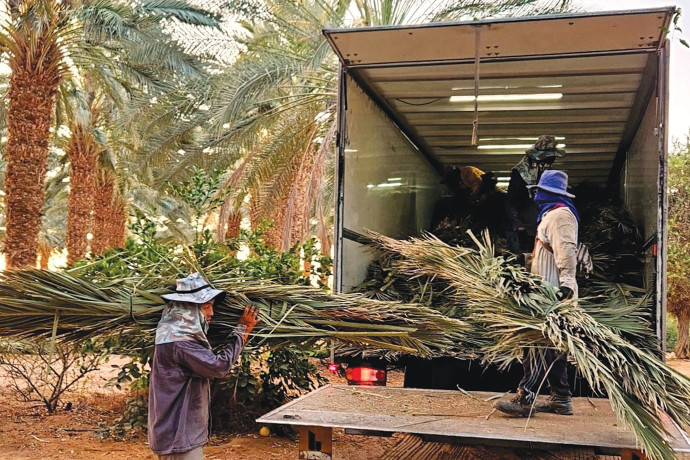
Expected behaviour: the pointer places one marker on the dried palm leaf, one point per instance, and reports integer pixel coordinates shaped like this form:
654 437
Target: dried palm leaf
517 311
32 300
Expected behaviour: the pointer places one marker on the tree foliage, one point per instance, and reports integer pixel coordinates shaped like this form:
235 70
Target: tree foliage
269 117
679 242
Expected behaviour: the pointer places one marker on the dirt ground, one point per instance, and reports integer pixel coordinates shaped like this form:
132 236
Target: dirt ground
26 432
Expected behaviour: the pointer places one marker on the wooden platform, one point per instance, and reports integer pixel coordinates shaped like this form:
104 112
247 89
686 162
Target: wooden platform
460 417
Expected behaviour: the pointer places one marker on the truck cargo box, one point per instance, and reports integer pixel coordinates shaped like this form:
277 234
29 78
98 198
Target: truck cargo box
599 82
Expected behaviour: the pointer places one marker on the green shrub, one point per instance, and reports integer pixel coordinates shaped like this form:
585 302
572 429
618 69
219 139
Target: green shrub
671 332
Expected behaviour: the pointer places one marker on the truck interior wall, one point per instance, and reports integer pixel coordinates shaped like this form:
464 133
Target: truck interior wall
641 184
389 185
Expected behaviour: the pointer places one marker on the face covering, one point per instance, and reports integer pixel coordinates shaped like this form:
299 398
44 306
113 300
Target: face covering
530 173
546 201
182 322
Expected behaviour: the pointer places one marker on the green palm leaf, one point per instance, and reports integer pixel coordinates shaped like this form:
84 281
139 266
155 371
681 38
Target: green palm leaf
517 311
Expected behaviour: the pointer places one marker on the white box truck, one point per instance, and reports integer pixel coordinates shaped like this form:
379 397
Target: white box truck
599 82
415 100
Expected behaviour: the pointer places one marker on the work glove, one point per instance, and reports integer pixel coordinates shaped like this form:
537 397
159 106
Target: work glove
520 259
566 293
249 318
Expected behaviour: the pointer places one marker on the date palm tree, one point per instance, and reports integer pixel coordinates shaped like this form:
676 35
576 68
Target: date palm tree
83 151
46 41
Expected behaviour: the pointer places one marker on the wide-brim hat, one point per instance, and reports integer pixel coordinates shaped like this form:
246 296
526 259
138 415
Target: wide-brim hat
553 181
194 289
545 148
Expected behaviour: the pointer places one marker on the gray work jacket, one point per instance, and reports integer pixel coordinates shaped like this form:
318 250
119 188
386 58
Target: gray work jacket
179 391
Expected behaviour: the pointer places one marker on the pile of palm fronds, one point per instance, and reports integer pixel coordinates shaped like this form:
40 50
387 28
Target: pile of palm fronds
606 227
483 307
609 338
614 241
33 302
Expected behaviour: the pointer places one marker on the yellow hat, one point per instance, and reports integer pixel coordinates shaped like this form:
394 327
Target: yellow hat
471 177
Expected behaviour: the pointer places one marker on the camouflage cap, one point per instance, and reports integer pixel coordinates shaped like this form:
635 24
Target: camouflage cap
544 148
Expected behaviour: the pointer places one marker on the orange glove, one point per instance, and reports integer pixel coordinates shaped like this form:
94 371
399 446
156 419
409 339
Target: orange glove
249 318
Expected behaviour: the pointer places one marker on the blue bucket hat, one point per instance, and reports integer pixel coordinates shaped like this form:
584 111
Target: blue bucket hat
555 182
194 289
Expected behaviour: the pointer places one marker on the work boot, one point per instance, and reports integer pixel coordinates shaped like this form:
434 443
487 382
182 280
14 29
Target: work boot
556 404
517 406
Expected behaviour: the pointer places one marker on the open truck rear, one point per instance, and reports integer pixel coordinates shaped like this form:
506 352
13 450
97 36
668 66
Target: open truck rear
415 100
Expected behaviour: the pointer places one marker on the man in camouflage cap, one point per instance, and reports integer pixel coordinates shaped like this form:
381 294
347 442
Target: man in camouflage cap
544 148
183 364
521 213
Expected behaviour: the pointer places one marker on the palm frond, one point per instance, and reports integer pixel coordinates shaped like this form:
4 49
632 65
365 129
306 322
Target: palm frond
517 311
33 298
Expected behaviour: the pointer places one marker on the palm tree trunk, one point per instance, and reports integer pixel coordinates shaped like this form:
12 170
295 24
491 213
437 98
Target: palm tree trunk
682 349
274 235
118 223
109 215
33 85
255 215
82 151
233 228
300 201
233 225
44 253
102 212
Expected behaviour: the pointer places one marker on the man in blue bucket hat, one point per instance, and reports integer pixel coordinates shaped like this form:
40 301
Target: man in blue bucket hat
555 259
183 364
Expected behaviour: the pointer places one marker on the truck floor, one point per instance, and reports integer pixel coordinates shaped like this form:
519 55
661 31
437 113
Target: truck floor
460 417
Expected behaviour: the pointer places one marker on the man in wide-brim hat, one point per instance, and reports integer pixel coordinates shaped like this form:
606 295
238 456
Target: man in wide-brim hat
521 216
555 259
183 364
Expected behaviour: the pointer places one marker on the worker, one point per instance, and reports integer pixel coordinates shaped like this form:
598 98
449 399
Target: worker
183 364
472 178
474 196
555 259
521 214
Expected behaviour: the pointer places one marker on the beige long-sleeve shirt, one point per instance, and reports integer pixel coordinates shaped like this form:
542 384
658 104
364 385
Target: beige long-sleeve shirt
558 229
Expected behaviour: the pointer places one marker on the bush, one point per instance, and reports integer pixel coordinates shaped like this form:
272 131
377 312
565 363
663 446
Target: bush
43 372
261 382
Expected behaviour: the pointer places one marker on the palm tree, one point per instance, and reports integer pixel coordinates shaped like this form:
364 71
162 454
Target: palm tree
83 151
104 210
270 115
44 41
54 212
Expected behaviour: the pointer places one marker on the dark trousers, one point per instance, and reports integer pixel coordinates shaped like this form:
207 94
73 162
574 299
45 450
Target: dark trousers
545 362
